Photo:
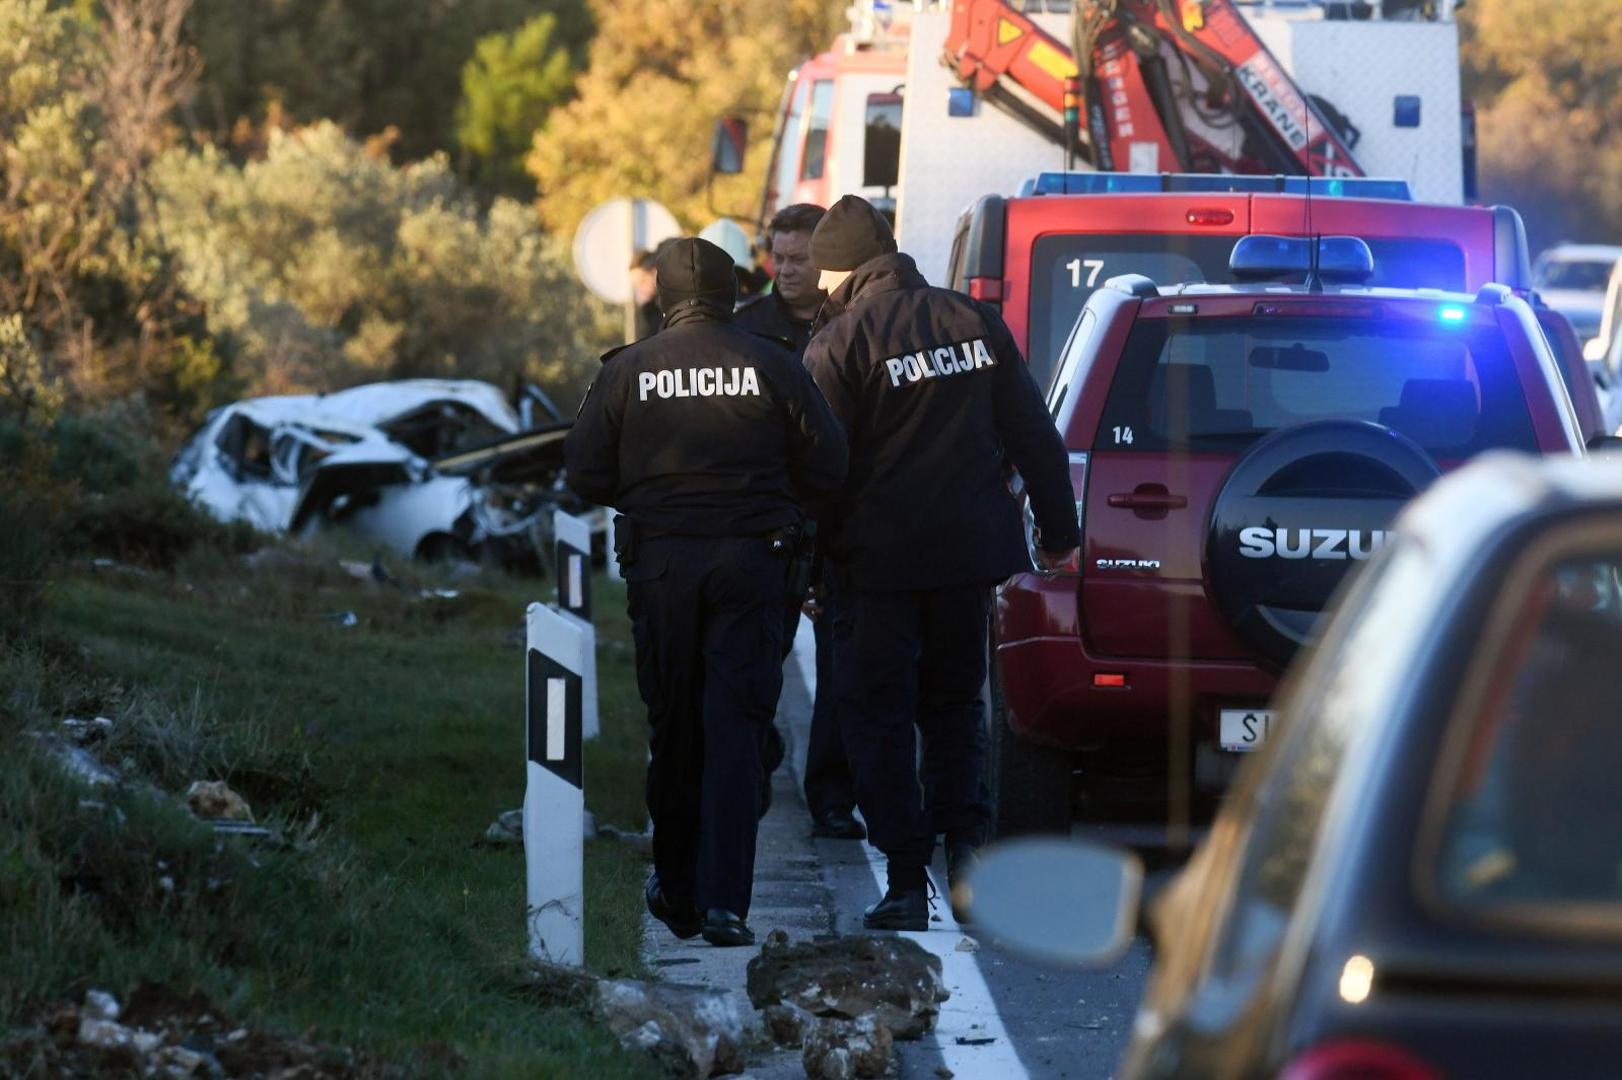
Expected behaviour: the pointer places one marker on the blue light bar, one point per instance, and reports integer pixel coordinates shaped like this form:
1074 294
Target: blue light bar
1261 257
1452 313
1096 183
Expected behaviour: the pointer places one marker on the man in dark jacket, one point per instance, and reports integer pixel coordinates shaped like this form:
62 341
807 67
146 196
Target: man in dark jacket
789 309
786 313
936 402
708 440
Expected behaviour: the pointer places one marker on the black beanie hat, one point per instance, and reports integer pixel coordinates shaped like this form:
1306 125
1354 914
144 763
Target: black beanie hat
849 234
694 270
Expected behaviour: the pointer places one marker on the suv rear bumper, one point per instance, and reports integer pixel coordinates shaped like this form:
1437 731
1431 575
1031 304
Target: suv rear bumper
1048 676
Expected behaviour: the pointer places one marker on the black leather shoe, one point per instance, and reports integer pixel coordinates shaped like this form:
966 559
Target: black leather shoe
683 923
960 860
901 909
837 825
726 929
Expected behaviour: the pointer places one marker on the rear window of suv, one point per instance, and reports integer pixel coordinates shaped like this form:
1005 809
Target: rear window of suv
1221 383
1067 268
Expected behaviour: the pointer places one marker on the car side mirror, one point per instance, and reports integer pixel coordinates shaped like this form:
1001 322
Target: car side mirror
1594 349
729 145
1068 902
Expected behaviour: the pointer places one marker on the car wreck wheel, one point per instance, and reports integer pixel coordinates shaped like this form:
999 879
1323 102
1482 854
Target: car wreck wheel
444 548
1300 509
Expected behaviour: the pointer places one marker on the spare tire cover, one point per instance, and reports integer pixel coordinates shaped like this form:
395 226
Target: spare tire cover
1298 510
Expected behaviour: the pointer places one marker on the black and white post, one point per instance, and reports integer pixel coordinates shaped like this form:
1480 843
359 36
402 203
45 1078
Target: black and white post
571 538
554 792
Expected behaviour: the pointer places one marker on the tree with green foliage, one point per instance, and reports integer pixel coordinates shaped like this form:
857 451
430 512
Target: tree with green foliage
661 72
84 105
372 66
508 87
1548 87
323 265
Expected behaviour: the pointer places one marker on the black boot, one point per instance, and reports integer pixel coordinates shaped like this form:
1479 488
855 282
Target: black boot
725 928
960 860
682 920
837 825
905 906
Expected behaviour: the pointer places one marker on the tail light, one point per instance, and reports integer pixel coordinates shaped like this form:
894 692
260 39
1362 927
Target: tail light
1210 215
988 289
1358 1059
1078 487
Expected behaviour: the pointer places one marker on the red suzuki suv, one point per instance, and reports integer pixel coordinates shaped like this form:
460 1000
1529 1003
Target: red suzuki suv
1235 449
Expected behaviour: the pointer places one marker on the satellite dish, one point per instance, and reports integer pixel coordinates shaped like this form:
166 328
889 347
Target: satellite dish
729 236
610 235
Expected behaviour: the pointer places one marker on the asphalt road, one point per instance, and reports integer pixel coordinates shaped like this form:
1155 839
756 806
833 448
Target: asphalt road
1008 1016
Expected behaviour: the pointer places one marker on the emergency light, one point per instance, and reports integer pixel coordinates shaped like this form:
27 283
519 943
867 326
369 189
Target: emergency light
1337 258
1107 183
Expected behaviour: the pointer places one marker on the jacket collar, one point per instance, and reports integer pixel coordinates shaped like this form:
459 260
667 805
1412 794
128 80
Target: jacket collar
881 274
695 311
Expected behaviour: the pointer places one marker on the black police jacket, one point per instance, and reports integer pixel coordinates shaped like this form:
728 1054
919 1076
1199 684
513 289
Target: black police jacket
705 430
770 316
936 401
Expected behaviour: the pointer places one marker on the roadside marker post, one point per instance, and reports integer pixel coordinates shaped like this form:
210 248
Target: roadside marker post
571 538
554 791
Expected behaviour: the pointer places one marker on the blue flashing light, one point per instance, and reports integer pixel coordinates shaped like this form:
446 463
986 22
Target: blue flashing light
960 101
1261 257
1097 183
1452 313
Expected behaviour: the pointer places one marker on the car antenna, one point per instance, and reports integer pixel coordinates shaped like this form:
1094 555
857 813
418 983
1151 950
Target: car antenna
1314 284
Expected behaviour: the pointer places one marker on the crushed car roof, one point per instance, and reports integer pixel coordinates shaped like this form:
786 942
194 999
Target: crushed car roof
362 408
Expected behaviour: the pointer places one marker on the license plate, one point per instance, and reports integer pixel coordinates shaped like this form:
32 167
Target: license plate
1244 729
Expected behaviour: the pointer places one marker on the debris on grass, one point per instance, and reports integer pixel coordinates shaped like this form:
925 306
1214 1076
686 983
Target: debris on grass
508 828
214 799
638 841
159 1033
83 732
77 761
342 618
690 1031
114 566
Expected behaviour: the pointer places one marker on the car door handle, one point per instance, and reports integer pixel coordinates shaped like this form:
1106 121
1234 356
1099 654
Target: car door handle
1154 501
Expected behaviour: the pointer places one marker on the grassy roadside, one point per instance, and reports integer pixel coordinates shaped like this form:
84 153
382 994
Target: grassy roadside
383 750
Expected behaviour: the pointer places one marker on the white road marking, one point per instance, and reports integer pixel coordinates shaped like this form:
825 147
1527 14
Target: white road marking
971 1012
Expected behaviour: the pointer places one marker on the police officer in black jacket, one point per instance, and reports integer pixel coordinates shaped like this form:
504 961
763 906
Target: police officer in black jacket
708 440
937 402
787 313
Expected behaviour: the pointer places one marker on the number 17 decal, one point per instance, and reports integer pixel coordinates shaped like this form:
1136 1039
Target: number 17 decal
1092 266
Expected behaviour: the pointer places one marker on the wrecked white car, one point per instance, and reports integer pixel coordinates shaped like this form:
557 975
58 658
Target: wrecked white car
434 469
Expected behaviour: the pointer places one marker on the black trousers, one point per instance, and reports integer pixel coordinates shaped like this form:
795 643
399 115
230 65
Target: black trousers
707 618
911 664
828 782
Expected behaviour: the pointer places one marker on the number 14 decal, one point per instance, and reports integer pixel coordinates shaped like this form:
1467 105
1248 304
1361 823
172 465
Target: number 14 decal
1123 435
1092 266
